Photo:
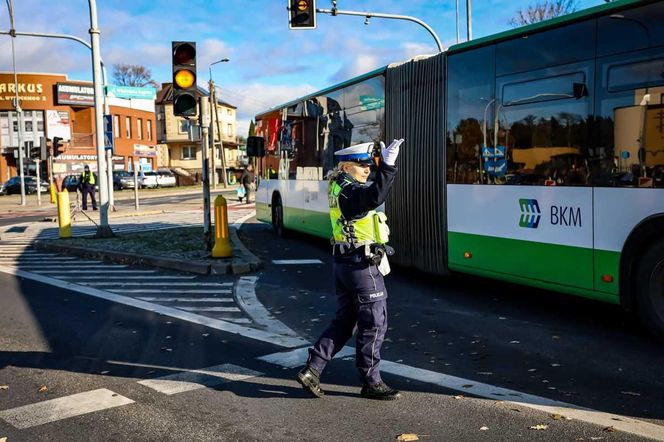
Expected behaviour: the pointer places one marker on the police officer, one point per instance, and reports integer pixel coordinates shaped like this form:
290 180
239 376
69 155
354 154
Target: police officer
359 241
87 184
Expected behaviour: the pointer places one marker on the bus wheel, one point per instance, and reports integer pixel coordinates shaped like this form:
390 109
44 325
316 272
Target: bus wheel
278 217
650 289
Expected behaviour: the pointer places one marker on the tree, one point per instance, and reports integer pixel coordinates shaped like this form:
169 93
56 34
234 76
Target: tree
543 10
252 129
132 75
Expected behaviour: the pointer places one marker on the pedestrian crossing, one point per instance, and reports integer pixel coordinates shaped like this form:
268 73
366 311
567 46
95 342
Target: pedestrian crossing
212 297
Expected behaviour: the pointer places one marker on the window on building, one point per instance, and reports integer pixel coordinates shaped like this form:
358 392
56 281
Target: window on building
229 129
188 153
229 112
116 126
128 127
139 128
148 129
184 126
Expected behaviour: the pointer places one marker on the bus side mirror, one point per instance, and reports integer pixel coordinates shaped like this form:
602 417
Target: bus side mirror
580 90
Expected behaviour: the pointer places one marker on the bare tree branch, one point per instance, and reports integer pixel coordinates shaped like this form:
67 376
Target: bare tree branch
132 75
542 10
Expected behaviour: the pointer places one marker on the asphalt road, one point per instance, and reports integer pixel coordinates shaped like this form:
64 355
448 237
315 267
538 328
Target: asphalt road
58 343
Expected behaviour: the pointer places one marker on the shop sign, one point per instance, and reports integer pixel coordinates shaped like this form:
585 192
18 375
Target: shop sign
143 150
26 92
75 94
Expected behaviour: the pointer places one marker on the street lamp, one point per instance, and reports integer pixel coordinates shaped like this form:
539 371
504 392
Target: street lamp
213 108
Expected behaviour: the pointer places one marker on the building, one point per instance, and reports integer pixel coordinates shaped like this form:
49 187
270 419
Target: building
54 106
180 139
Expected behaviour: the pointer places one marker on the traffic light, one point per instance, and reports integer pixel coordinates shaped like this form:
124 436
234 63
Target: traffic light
33 151
57 146
184 78
302 14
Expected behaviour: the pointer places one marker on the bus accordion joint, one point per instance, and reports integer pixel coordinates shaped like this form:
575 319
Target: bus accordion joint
467 255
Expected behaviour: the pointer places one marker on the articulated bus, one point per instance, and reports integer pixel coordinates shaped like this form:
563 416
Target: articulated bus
534 156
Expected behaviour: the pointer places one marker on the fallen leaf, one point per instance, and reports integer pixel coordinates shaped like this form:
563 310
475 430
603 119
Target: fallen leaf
557 417
458 396
539 427
407 437
4 387
3 439
484 428
610 429
43 389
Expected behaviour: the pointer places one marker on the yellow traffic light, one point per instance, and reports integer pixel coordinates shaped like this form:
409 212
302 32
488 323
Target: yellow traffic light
184 78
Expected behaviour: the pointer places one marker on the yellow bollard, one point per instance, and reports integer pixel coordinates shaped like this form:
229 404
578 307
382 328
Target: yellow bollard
222 244
52 190
64 217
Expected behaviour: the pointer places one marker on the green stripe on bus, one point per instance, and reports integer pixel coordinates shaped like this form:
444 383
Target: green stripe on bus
550 263
307 221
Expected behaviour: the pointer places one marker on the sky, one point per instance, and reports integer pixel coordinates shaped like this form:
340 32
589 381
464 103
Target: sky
269 64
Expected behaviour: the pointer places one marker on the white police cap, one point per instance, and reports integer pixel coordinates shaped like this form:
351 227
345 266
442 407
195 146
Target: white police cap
360 153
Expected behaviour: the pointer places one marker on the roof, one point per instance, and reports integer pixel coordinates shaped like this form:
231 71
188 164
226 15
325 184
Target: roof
583 14
165 95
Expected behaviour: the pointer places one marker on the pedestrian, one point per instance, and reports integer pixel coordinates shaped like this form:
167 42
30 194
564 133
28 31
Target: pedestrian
87 183
360 237
248 180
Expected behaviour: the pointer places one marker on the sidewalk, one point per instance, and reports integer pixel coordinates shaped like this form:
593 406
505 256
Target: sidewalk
44 236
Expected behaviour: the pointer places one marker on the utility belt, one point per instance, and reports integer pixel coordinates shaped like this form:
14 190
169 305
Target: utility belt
372 253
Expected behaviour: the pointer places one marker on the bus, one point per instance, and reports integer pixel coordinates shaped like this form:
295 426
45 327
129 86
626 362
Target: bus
534 156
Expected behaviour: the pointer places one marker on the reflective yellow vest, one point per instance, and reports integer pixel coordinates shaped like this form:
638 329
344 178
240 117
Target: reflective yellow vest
90 178
370 229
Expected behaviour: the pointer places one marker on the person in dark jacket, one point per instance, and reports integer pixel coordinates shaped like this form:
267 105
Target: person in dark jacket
360 249
87 182
248 180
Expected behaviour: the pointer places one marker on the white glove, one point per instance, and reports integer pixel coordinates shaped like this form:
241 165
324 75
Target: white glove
390 152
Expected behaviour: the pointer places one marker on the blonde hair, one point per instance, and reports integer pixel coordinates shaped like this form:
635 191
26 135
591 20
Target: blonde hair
333 174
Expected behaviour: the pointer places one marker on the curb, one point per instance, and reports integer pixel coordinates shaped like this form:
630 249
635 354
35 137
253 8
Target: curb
242 262
114 215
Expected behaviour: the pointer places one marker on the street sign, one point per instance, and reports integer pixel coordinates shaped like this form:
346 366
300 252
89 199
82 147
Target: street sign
108 132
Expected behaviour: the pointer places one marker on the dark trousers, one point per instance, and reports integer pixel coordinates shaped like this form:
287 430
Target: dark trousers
88 189
247 192
362 308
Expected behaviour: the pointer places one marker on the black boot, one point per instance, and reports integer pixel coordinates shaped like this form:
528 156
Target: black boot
310 381
379 391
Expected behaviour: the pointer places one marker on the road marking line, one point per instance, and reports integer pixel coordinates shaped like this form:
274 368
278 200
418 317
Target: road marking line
121 278
183 291
211 309
298 357
197 379
245 294
172 284
206 321
62 408
73 265
152 299
49 272
296 261
36 260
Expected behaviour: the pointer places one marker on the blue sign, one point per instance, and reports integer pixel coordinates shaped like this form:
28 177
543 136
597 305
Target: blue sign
108 132
130 92
494 160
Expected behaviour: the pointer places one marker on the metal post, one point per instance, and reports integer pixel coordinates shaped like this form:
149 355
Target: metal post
136 185
213 105
469 20
204 116
109 170
221 143
38 165
103 229
457 21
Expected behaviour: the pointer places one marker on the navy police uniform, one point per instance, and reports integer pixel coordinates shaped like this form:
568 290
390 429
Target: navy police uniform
360 287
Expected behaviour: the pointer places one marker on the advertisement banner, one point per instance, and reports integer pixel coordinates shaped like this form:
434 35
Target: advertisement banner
57 124
75 94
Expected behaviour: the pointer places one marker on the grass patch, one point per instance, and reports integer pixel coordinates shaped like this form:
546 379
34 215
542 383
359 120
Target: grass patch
179 242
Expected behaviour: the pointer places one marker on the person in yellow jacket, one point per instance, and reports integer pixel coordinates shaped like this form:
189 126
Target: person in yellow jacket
359 236
87 182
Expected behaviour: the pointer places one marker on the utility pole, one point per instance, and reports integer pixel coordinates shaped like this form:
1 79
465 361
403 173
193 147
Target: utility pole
221 142
213 105
469 20
204 121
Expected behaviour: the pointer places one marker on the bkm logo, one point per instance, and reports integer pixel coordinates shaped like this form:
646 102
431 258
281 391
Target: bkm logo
530 213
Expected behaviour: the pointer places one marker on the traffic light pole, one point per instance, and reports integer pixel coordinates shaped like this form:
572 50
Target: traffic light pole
38 166
368 15
204 121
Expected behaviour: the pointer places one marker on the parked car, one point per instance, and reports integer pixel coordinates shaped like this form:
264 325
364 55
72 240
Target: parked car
122 180
13 185
165 178
148 179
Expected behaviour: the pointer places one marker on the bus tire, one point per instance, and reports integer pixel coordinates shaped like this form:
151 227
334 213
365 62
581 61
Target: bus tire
278 217
650 289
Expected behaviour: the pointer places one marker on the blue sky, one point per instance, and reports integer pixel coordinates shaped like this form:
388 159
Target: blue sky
269 64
